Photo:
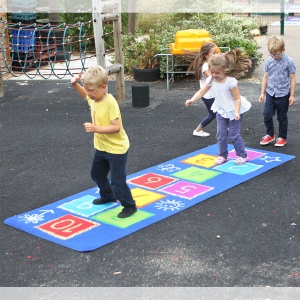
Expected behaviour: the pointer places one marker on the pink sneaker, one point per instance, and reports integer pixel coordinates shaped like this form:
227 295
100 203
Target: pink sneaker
240 160
220 160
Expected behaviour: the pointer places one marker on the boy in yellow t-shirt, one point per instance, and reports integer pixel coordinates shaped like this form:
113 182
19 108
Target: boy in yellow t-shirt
110 140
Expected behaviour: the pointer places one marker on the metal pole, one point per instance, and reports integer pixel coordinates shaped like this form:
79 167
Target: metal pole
7 54
282 16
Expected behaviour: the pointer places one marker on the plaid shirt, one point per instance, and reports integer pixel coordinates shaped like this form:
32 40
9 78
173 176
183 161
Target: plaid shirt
279 71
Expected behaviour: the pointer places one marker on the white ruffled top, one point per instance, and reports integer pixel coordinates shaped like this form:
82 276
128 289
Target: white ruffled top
224 103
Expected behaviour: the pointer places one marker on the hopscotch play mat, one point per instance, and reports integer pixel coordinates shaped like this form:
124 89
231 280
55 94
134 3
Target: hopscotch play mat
160 192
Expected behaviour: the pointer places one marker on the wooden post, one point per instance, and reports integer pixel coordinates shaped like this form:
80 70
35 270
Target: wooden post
110 13
118 45
98 33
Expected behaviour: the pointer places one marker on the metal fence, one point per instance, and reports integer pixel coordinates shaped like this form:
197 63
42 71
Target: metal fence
276 14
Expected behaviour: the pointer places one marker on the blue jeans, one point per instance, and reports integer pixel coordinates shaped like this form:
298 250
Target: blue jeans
211 115
104 163
281 105
231 128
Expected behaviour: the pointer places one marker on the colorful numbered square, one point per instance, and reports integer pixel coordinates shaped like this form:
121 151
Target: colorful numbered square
144 197
250 153
196 174
67 226
110 217
152 180
84 206
243 169
201 160
187 190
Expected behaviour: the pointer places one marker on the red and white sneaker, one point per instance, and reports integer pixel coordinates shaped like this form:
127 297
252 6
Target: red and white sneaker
267 139
280 142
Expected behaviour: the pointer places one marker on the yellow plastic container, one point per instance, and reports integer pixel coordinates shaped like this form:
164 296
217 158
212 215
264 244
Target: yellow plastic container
189 40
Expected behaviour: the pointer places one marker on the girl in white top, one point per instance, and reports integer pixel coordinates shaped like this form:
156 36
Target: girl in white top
229 104
199 64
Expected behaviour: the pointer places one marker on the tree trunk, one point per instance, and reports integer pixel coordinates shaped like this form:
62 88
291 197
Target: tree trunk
54 18
131 16
131 23
53 15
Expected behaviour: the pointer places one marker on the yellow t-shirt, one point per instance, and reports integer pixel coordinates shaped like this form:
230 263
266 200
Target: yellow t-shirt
103 112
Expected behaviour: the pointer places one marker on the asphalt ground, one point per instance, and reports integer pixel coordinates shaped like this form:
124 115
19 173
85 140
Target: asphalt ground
46 156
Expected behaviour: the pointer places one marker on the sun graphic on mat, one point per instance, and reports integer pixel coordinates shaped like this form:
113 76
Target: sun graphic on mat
169 205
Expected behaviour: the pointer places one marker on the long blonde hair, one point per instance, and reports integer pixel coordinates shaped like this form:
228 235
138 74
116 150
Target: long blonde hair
197 59
235 63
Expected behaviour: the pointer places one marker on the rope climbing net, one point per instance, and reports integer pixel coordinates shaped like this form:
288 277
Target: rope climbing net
45 50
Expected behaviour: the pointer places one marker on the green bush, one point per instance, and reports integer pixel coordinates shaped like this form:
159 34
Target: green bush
140 51
248 45
156 31
224 29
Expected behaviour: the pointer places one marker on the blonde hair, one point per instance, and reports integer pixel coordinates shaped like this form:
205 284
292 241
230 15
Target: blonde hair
275 43
235 63
197 59
95 76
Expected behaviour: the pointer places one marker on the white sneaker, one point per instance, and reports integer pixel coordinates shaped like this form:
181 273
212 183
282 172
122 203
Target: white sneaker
201 133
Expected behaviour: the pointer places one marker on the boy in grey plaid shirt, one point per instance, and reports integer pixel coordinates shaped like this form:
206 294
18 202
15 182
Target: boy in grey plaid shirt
279 85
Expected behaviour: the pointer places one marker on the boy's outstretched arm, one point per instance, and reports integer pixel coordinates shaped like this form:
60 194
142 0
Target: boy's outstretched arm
263 87
293 88
80 89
